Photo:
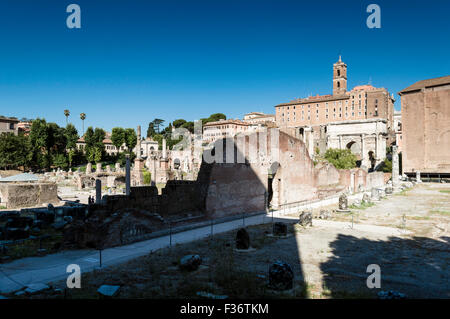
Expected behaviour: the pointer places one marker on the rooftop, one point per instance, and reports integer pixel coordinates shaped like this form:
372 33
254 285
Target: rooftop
229 121
443 80
24 177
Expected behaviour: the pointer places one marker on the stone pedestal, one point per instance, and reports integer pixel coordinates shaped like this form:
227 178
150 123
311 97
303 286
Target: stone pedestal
418 180
137 176
98 168
88 168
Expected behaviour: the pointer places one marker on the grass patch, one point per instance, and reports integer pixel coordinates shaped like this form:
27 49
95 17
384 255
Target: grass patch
445 191
29 248
440 212
418 217
402 193
362 205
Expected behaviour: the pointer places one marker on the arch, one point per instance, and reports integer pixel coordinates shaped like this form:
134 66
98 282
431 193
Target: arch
354 147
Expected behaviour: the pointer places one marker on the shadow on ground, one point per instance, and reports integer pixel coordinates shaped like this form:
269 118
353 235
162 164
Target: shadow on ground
418 267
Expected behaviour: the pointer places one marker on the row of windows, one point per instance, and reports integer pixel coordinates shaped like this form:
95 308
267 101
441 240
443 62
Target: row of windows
335 115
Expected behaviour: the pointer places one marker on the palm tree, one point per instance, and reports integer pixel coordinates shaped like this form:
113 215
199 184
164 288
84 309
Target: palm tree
83 117
67 114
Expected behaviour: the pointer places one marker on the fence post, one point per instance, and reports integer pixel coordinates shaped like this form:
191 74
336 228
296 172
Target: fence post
170 234
212 224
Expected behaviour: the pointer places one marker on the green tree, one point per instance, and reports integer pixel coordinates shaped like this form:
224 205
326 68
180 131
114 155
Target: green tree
71 136
130 139
83 117
39 142
70 156
151 130
60 160
341 159
118 137
178 123
387 166
98 154
15 151
157 123
67 114
216 117
89 137
189 126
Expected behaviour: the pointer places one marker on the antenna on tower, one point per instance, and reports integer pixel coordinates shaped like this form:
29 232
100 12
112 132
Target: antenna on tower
370 80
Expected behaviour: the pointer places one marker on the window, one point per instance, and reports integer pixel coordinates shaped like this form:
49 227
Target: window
339 84
339 72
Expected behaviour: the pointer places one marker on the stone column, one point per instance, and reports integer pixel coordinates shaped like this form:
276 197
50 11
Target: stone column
138 145
164 150
88 168
98 168
153 174
377 148
98 191
117 167
363 149
127 177
395 168
340 142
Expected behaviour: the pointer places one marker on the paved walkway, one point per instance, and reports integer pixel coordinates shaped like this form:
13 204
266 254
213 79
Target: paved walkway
20 273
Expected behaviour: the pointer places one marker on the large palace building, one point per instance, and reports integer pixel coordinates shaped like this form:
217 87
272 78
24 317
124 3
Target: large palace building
362 102
361 120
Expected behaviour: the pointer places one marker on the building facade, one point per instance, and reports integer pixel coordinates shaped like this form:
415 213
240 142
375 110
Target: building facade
426 126
222 129
9 125
360 103
259 118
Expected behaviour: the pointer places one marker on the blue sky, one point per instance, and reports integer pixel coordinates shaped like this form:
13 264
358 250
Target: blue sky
133 61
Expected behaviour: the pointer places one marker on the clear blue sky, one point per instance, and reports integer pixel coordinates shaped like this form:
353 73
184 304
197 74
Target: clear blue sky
133 61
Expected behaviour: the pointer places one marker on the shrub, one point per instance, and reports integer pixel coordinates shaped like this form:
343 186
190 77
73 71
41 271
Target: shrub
341 159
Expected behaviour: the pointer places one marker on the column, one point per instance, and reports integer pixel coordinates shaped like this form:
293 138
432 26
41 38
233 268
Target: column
138 145
98 191
164 151
363 149
395 168
127 177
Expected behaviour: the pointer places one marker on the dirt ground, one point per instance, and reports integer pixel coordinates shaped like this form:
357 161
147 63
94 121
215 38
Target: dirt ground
329 261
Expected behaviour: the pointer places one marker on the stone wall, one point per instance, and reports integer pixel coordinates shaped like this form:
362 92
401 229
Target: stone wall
17 195
426 130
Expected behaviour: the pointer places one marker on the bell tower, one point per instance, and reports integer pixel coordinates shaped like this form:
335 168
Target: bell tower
339 77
